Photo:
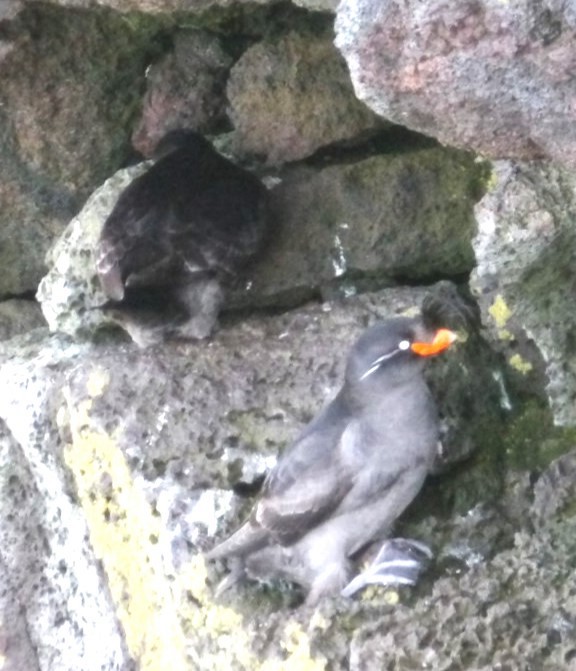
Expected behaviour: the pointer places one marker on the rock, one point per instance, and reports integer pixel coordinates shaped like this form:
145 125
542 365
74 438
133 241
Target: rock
291 96
186 89
487 76
19 316
70 291
157 6
467 617
526 254
54 611
152 482
555 490
10 9
391 217
69 96
318 5
32 216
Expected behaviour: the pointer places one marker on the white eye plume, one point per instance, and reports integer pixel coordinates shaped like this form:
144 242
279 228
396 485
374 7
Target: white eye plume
403 345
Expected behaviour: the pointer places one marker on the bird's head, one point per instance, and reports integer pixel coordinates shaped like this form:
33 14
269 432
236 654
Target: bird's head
393 351
181 138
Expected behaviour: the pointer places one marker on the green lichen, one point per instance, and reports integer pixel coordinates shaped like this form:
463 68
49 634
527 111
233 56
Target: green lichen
123 530
532 440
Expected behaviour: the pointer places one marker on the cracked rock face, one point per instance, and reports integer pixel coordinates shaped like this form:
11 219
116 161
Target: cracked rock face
476 75
526 254
119 466
334 230
155 481
185 90
18 317
291 96
54 611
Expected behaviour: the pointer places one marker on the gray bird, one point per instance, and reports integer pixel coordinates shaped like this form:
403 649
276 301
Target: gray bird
178 235
352 471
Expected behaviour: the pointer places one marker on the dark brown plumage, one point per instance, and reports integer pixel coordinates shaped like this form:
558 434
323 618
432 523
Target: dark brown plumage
341 485
177 236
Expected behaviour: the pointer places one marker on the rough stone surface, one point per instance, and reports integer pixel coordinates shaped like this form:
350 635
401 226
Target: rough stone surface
489 76
19 316
10 9
32 215
156 6
55 612
318 5
65 100
70 87
140 491
555 490
390 216
291 96
117 466
186 89
71 288
519 606
526 255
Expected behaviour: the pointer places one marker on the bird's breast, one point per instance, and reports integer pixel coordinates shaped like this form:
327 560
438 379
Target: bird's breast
402 421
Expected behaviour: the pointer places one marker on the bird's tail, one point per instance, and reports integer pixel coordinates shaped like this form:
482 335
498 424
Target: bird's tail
246 540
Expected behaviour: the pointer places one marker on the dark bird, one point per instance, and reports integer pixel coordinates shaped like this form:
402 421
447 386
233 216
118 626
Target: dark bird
352 471
178 235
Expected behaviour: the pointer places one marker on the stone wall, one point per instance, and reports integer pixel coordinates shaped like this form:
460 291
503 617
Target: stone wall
409 149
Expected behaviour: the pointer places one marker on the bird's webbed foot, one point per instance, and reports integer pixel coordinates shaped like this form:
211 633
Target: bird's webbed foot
400 561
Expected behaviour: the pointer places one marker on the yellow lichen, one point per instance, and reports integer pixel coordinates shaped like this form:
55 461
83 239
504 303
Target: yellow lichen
164 619
392 597
500 312
492 181
520 364
122 529
97 382
218 630
504 334
318 621
296 642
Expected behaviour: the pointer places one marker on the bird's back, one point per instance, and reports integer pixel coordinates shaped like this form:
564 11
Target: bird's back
193 211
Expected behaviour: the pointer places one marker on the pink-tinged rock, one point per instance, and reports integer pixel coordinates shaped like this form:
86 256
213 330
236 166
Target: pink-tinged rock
293 95
185 90
492 76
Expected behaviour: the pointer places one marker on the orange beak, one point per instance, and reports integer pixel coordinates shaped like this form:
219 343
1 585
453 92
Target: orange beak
442 340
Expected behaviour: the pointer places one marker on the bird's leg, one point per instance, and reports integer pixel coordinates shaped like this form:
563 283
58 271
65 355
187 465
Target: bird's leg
329 582
237 574
201 298
400 561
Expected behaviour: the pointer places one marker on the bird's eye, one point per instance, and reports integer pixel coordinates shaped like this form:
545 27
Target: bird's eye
404 344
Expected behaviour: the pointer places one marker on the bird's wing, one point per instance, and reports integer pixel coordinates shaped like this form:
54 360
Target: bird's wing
309 482
131 238
356 471
225 231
